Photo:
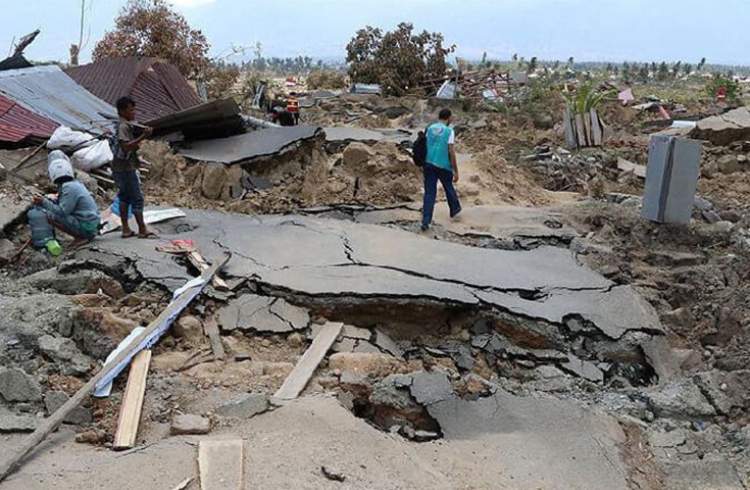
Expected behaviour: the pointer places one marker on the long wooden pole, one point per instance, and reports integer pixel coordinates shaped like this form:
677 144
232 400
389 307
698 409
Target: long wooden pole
54 420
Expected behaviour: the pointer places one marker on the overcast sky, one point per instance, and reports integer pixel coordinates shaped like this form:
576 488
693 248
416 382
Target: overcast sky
590 30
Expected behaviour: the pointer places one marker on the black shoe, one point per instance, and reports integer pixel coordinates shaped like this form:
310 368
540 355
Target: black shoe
424 227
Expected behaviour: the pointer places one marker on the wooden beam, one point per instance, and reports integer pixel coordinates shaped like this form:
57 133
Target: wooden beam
200 263
211 328
53 421
221 464
132 402
303 371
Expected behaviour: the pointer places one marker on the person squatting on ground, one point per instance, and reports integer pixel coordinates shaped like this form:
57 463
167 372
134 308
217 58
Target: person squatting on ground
125 168
440 164
74 211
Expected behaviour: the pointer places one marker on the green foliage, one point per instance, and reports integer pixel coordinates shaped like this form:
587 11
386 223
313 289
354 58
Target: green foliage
731 87
585 99
326 79
399 60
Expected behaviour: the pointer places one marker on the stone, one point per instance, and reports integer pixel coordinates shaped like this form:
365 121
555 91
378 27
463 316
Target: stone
662 358
680 399
583 369
297 317
7 250
365 346
65 351
375 365
353 332
393 391
10 422
431 387
728 164
190 425
17 386
295 340
344 345
667 439
386 344
244 407
214 181
53 400
357 154
188 327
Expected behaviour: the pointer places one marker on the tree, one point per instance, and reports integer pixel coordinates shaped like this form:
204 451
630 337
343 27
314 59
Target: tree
702 64
663 72
676 69
484 59
687 68
399 60
571 62
626 72
643 73
150 28
532 65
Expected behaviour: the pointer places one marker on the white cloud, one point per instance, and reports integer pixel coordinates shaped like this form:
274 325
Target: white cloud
191 3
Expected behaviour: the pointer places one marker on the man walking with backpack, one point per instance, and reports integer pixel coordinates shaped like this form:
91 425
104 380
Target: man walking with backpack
440 164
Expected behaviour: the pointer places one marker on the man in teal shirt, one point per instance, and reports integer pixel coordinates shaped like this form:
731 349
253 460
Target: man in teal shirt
440 165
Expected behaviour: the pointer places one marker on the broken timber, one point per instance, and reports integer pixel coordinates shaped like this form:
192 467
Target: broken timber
132 402
221 464
200 263
55 419
303 371
582 130
211 328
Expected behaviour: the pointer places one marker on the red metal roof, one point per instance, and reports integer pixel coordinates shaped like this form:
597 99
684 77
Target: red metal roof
18 123
157 87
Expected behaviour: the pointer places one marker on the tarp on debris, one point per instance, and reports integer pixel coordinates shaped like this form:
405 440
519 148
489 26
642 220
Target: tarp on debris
18 124
48 91
15 62
158 88
243 147
215 119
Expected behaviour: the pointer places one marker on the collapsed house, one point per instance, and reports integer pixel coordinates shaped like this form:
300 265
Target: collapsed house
157 87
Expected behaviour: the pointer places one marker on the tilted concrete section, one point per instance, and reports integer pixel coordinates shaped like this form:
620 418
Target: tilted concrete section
319 257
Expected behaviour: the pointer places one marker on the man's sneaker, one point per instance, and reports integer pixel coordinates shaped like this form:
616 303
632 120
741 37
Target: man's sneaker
455 215
424 228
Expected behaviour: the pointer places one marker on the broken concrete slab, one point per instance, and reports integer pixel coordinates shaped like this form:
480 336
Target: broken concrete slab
585 445
583 369
17 386
11 211
248 146
350 259
704 474
430 387
245 406
679 399
342 135
190 425
725 128
386 344
10 422
262 314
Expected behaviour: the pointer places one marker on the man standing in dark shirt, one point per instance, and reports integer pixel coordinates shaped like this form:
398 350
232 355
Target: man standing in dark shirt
125 168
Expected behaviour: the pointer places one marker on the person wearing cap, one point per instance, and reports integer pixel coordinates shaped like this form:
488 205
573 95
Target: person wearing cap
74 211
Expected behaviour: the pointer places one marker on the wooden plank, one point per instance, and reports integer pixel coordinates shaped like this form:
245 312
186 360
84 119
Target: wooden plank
132 402
214 337
570 133
221 464
54 420
303 371
580 131
596 129
200 263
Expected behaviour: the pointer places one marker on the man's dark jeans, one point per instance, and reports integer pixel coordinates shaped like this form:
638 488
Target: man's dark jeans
431 176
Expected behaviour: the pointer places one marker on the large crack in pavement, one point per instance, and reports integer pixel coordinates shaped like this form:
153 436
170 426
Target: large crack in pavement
331 258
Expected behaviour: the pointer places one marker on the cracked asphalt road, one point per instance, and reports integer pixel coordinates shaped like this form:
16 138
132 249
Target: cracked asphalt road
322 257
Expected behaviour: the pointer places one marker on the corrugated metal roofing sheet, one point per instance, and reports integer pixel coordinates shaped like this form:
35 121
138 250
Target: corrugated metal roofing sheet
48 91
18 123
157 87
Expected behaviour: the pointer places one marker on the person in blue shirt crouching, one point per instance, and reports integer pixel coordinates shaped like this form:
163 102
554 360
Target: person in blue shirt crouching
74 211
